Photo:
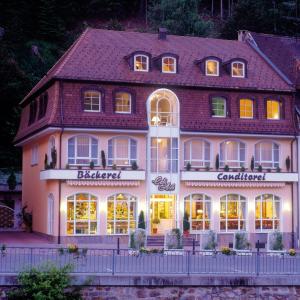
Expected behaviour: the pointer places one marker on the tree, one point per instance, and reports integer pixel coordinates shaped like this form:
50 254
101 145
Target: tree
103 159
12 181
217 162
179 17
186 222
141 222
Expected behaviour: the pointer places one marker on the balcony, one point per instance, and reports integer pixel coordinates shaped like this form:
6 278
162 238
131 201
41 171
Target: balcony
93 175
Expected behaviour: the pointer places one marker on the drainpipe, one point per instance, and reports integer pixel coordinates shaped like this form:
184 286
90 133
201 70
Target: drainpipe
61 89
292 185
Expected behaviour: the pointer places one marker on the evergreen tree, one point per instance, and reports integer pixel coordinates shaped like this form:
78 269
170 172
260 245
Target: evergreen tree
141 222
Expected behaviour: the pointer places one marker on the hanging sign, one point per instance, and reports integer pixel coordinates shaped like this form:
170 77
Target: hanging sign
163 184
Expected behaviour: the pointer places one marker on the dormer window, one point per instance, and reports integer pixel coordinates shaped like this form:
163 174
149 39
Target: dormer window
141 63
211 67
92 101
123 103
168 65
237 69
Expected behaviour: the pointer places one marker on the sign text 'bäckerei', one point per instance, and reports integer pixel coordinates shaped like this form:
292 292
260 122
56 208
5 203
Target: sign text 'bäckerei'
101 175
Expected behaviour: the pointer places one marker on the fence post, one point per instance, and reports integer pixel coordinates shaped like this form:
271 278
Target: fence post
257 258
118 246
188 263
31 257
113 262
194 246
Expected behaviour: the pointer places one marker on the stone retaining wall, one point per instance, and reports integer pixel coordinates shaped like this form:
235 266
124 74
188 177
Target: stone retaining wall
185 293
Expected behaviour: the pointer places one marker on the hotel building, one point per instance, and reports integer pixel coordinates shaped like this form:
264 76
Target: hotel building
127 122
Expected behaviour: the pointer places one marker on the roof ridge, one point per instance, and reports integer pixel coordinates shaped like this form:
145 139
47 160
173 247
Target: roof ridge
276 36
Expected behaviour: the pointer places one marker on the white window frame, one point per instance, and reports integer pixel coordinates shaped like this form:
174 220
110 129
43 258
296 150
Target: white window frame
225 161
259 198
88 221
203 161
99 101
239 219
130 104
218 71
206 200
238 62
35 155
128 220
225 107
89 158
252 110
174 62
259 161
147 62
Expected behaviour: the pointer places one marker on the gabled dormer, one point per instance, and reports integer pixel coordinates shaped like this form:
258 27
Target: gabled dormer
167 63
210 65
139 61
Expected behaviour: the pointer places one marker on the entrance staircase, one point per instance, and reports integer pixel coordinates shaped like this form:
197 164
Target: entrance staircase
158 241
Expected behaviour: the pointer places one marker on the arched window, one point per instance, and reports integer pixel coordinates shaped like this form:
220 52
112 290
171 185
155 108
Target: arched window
168 65
267 154
246 108
238 69
92 101
267 212
211 67
197 153
232 154
123 103
82 214
121 213
163 109
233 212
273 109
141 63
122 151
82 150
51 148
198 208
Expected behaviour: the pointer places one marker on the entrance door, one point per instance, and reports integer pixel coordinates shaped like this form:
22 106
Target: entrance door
162 209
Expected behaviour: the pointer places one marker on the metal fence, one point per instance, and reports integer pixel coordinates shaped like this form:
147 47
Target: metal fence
113 261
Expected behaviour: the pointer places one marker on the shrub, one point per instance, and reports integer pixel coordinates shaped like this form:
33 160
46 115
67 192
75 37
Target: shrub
217 162
12 181
173 239
53 157
26 218
243 169
276 241
141 223
226 168
259 168
288 163
47 282
207 168
103 159
252 164
92 165
46 166
137 239
134 165
211 243
241 241
186 222
225 250
292 252
188 166
278 169
114 167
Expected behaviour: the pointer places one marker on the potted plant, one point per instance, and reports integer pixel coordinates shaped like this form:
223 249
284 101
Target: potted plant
288 163
275 243
243 169
173 242
186 224
114 167
155 223
103 159
292 252
12 181
207 168
217 162
46 166
278 169
259 168
137 240
241 243
134 166
53 158
210 244
225 251
92 165
226 168
188 166
252 164
141 222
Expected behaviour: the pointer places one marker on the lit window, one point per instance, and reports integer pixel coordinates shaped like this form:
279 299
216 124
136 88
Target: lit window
81 214
238 69
273 110
169 65
121 213
198 208
82 150
34 155
92 101
232 212
122 151
232 154
164 155
267 212
211 68
43 103
141 63
123 103
197 153
267 155
246 108
218 107
32 111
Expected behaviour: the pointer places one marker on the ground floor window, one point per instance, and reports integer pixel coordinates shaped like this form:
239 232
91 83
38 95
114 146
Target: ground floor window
198 208
121 213
267 212
82 214
232 212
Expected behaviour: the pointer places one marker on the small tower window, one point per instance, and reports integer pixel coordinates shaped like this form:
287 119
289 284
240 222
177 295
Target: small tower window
212 68
169 65
238 69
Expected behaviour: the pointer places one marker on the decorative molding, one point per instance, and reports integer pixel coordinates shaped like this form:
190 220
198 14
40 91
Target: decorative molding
235 184
104 183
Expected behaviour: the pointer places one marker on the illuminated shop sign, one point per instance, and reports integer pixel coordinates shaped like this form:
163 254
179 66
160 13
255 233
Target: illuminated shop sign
100 175
163 184
241 177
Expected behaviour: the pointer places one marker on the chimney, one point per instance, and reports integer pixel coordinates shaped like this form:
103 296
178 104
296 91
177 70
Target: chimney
162 33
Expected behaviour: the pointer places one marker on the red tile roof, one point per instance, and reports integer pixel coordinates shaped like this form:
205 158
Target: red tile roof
287 54
99 55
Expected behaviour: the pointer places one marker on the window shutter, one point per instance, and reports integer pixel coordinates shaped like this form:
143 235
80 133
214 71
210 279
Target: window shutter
71 151
110 155
133 150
